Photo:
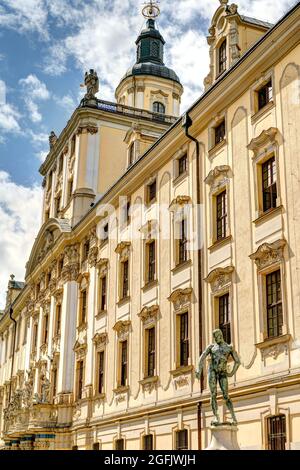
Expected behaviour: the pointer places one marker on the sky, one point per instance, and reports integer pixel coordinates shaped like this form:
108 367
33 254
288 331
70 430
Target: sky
45 48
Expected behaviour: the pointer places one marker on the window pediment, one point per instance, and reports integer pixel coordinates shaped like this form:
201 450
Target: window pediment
266 139
179 202
217 175
220 277
123 249
102 266
122 328
149 315
268 254
100 339
181 297
150 229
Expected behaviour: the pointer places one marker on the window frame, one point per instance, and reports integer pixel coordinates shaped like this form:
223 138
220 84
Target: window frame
268 435
161 108
222 61
80 374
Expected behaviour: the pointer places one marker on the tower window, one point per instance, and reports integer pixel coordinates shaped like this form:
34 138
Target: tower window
159 107
269 184
274 304
222 57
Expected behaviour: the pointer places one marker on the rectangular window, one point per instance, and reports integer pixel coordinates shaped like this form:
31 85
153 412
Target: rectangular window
46 323
182 242
119 444
101 372
152 192
224 317
69 190
79 379
34 337
54 382
150 247
105 233
220 133
182 165
83 307
222 57
58 320
73 145
269 184
96 446
276 428
265 95
274 304
123 375
221 215
150 333
60 164
57 205
182 440
85 250
25 331
125 279
184 339
148 442
103 293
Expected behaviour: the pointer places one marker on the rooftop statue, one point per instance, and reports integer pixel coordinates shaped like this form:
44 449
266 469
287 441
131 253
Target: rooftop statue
219 353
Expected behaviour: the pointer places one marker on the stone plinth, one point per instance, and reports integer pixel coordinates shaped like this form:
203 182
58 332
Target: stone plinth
223 437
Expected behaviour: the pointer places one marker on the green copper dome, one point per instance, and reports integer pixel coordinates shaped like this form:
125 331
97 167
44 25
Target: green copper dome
150 55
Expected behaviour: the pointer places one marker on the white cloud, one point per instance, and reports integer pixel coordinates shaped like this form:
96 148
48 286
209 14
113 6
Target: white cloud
20 211
9 115
33 90
24 16
66 102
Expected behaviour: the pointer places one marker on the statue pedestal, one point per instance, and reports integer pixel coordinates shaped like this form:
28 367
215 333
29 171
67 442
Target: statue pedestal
223 437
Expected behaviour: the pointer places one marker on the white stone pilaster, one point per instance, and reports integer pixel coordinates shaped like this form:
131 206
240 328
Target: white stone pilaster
92 162
68 334
51 325
89 367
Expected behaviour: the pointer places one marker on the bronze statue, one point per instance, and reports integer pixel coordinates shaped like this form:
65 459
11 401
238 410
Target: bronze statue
219 353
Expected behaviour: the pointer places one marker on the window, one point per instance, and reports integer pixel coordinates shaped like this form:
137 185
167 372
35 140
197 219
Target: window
60 265
46 323
25 332
50 181
12 335
124 279
105 232
60 164
119 444
220 132
79 379
150 261
48 278
58 320
126 217
269 185
103 293
151 196
224 317
18 331
123 375
85 250
184 339
264 95
274 304
54 381
34 337
96 446
100 377
221 215
70 190
150 339
222 57
131 154
73 145
148 442
159 107
276 429
57 205
83 307
182 242
182 440
182 165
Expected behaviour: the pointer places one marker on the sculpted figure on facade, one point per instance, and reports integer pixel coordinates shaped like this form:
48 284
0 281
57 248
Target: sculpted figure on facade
219 353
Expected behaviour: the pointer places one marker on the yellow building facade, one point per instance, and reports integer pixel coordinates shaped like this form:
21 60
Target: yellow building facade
156 230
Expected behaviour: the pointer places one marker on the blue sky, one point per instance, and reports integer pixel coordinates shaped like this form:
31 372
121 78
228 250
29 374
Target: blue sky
45 48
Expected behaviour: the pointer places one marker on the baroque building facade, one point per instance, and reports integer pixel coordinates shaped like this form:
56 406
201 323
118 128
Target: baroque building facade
157 229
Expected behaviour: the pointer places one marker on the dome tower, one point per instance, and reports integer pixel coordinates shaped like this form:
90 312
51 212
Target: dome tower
149 84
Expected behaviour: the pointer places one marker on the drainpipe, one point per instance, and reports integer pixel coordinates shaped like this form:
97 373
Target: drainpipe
13 355
186 124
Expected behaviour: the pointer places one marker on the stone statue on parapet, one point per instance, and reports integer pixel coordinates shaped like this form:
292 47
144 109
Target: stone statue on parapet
91 81
219 353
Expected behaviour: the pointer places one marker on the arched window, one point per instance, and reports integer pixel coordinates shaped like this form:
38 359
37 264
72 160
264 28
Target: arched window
159 107
222 57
